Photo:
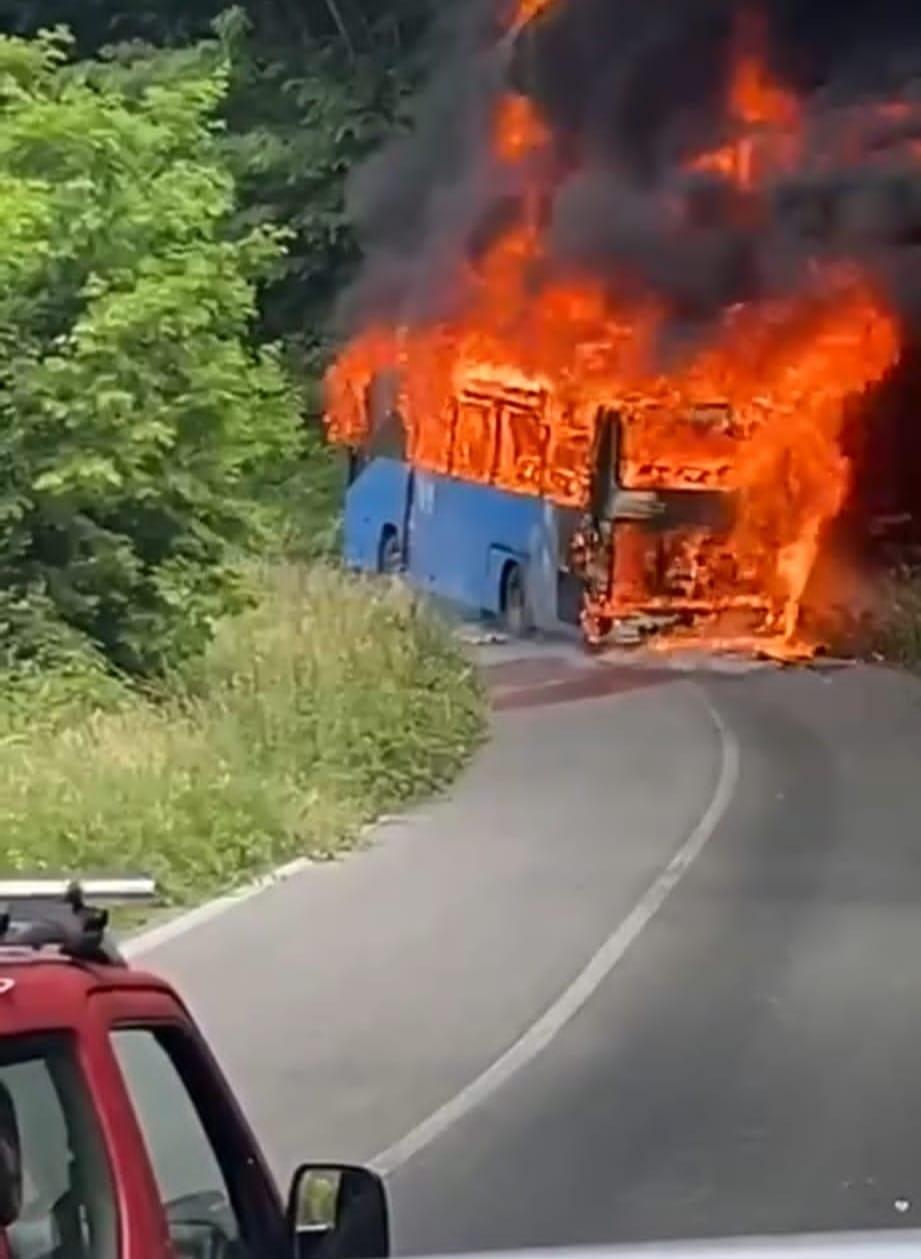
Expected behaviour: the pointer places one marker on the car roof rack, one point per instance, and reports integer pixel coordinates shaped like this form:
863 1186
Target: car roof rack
46 913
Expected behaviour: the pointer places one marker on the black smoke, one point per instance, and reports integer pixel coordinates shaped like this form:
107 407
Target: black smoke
633 89
420 204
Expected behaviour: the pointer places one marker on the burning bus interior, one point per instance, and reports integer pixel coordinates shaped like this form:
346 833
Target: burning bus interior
660 266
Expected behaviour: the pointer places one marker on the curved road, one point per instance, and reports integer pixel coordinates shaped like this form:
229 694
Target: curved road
750 1064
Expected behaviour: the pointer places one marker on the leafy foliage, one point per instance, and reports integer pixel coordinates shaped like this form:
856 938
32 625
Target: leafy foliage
387 27
315 85
134 404
141 272
150 438
294 134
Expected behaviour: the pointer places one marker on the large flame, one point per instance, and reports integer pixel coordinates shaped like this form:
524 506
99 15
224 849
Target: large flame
509 392
528 10
519 129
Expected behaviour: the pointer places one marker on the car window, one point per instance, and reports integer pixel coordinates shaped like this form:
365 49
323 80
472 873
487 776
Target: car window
194 1192
67 1207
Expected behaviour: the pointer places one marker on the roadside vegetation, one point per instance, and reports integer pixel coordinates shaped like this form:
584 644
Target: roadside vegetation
881 620
896 635
189 685
327 703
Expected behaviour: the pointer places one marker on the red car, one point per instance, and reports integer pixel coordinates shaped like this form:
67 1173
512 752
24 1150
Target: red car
119 1136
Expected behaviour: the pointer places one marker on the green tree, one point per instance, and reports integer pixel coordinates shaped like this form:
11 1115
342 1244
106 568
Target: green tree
135 404
387 27
294 133
315 87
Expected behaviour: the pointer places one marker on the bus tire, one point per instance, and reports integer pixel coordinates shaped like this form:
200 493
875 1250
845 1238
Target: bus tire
389 553
515 610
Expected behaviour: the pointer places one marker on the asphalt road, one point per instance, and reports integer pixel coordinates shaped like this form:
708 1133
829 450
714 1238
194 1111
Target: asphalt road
746 1060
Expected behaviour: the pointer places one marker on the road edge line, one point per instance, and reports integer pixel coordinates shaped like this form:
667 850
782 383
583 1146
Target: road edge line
189 919
542 1032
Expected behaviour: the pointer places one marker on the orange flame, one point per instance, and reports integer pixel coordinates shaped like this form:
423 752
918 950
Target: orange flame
510 392
765 115
519 128
755 99
528 10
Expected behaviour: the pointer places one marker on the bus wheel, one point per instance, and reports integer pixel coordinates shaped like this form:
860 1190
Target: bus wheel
390 553
516 615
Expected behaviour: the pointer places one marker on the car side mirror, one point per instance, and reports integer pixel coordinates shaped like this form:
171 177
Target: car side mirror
338 1212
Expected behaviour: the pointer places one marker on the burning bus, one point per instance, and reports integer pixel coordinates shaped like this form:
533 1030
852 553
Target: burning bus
544 519
550 436
631 516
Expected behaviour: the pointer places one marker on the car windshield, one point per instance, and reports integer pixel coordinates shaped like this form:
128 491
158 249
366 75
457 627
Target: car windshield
460 533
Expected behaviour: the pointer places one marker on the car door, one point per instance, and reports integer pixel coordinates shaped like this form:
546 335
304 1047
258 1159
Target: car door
210 1179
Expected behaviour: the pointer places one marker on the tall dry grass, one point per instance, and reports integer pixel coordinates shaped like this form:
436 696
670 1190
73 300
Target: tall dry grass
331 700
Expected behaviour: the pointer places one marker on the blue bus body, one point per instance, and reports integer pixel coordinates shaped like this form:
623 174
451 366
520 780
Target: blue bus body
638 567
461 540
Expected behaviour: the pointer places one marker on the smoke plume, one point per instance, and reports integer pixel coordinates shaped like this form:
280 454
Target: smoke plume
632 91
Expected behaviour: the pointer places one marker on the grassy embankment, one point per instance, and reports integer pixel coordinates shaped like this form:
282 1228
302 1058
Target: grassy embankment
881 620
897 637
331 701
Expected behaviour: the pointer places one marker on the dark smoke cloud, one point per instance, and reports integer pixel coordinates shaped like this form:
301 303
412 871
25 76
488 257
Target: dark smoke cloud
632 89
419 203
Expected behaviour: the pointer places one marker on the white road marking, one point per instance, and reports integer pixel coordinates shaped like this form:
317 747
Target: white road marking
189 920
536 1039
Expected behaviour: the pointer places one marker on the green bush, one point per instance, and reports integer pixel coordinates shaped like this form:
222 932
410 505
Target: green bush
297 506
135 405
897 635
882 624
328 702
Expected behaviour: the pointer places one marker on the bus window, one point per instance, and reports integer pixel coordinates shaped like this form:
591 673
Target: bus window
472 453
386 430
387 439
431 444
569 459
522 449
